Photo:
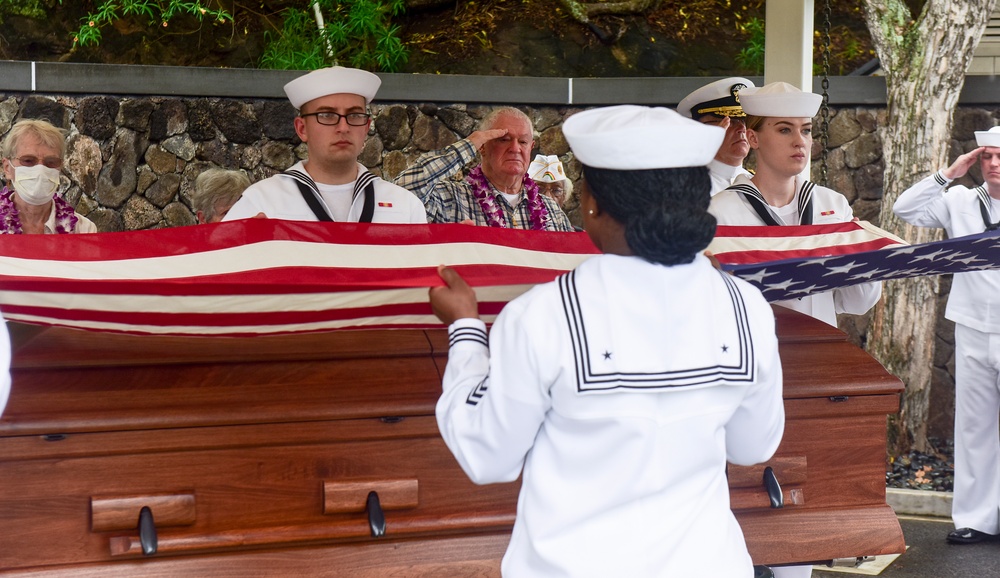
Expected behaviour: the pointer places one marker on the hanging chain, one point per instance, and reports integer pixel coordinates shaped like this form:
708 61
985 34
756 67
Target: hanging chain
824 109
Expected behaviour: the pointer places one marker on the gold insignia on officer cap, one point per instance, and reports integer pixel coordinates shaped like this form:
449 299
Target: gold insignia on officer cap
719 98
988 138
333 80
780 99
630 137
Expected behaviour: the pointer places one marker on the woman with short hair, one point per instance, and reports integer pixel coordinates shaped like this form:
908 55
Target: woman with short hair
33 154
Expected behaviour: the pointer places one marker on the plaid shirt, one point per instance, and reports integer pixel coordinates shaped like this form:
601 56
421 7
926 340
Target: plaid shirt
447 200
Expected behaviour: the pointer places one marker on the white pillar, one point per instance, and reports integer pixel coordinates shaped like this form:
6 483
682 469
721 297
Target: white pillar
788 45
788 42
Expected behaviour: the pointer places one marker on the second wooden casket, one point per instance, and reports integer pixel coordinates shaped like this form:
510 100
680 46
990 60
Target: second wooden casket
319 455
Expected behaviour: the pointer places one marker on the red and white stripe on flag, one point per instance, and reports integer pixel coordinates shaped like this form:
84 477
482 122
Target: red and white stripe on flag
744 245
262 276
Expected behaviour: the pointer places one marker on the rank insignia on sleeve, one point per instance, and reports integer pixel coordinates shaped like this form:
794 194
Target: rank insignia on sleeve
476 395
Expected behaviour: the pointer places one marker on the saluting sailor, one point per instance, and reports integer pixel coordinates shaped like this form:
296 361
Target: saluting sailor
718 104
621 388
974 306
331 185
779 129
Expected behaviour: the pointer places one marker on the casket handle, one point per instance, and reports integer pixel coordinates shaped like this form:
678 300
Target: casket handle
376 518
147 531
773 488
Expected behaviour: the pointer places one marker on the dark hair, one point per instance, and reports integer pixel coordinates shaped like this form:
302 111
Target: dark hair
664 211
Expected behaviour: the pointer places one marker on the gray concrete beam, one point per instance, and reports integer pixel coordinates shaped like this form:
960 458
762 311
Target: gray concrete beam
109 79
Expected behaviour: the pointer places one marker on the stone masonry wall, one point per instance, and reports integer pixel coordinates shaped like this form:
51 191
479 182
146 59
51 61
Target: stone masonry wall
132 162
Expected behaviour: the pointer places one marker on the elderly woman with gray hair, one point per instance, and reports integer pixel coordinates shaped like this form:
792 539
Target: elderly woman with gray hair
215 192
33 154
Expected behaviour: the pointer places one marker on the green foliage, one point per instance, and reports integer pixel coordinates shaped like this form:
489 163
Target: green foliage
356 33
751 57
154 12
297 46
28 8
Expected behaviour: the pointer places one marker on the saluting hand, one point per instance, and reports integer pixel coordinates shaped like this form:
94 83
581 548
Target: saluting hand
456 300
962 164
481 137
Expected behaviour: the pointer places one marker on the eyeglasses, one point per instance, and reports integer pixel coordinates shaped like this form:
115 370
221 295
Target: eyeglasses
31 160
333 118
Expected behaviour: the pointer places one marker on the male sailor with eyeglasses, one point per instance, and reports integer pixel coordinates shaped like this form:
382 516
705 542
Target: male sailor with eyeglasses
330 185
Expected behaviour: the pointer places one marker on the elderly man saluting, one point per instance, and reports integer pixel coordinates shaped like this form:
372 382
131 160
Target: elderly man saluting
498 192
331 185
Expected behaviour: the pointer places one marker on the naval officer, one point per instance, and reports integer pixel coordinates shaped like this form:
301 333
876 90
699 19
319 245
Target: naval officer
718 104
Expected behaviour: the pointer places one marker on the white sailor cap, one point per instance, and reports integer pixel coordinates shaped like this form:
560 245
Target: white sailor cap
988 138
630 137
719 98
333 80
780 99
546 169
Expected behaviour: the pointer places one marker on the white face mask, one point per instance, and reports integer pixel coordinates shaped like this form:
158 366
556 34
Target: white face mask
36 185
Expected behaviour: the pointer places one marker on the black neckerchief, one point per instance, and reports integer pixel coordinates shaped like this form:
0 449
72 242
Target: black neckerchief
310 193
986 209
756 201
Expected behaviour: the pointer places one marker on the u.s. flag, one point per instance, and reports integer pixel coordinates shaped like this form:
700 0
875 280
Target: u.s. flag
784 266
262 276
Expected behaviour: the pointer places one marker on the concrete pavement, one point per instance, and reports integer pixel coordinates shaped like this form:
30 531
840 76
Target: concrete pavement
926 519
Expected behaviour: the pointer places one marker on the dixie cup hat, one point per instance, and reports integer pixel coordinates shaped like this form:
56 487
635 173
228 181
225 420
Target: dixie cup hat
333 80
630 137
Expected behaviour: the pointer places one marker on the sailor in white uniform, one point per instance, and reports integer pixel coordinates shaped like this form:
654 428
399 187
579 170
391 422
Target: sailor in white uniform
620 390
779 128
974 306
331 185
5 355
718 104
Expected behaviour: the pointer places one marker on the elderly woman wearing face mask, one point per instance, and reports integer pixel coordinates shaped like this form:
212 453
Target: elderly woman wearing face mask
32 156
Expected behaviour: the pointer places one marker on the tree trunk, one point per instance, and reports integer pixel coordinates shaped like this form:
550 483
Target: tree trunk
925 61
582 11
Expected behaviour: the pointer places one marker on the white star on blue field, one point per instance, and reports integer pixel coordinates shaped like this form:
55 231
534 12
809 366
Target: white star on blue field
793 278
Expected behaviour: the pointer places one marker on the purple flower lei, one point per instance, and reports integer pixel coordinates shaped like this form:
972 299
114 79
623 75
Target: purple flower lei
482 190
10 220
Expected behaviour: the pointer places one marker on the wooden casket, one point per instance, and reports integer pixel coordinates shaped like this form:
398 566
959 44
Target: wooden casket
319 454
